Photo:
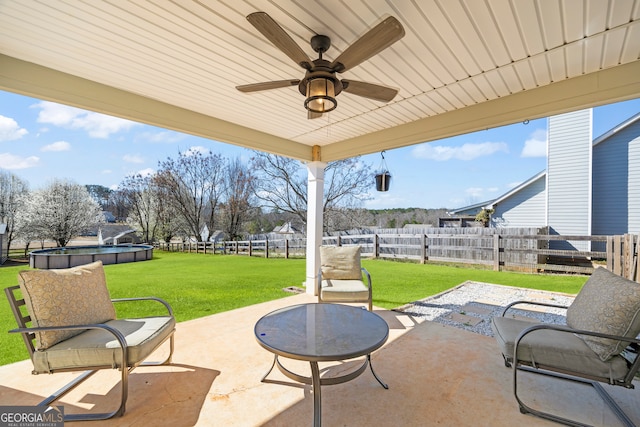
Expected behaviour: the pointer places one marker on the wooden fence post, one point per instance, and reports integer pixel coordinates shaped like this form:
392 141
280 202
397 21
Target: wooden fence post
376 246
609 250
628 256
286 248
496 252
617 255
266 248
339 241
423 249
636 265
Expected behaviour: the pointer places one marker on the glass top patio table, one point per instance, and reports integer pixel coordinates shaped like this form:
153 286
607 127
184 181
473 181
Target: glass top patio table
320 333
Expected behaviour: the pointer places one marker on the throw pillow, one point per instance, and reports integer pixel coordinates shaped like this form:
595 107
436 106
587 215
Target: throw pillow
608 304
64 297
340 262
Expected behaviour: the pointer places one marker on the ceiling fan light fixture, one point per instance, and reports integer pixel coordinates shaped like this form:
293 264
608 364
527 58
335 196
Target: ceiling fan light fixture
320 95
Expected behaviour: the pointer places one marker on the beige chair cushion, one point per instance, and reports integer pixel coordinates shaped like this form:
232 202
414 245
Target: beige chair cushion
344 290
549 348
340 262
608 304
97 348
72 296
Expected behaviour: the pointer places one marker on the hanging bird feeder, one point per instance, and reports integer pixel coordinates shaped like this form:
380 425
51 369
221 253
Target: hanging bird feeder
383 177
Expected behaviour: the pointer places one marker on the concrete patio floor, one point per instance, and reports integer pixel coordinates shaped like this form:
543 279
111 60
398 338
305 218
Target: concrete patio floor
437 375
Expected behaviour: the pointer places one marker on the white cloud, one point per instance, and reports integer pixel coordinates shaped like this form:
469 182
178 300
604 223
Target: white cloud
11 162
536 145
95 124
146 172
133 158
474 192
513 184
383 200
10 130
57 146
197 149
106 172
480 193
467 151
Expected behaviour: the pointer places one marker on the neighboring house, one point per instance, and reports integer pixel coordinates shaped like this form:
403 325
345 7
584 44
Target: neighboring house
616 180
590 187
113 234
523 206
286 229
463 217
4 244
109 217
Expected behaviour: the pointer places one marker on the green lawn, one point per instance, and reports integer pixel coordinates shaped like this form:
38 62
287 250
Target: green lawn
197 285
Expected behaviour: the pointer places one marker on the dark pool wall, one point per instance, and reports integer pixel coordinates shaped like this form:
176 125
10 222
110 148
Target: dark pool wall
44 259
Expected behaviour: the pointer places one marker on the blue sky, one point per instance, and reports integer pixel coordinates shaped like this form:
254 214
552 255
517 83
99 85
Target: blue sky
41 140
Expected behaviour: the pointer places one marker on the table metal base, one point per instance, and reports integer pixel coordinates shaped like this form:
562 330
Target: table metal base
316 382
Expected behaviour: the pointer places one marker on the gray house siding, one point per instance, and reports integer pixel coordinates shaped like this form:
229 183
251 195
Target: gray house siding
569 174
525 208
616 183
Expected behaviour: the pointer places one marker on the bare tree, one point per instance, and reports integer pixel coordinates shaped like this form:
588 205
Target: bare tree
192 183
136 193
238 190
118 204
60 211
282 184
12 190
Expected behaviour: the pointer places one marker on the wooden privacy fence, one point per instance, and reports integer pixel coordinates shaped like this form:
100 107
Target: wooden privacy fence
499 249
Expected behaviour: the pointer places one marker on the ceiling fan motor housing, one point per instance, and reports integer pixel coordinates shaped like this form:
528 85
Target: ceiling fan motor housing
320 43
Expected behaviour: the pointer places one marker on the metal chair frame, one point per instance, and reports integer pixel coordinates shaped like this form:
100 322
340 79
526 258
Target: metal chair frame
592 380
28 336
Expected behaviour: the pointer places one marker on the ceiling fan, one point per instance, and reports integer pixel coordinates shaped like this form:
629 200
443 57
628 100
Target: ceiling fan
320 84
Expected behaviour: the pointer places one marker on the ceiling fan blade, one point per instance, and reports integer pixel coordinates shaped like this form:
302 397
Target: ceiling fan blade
369 90
279 37
372 42
254 87
313 115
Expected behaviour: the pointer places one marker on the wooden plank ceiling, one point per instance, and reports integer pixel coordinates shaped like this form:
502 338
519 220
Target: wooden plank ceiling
463 65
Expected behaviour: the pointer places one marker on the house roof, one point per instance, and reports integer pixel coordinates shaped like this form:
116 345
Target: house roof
479 205
462 66
286 228
516 189
616 129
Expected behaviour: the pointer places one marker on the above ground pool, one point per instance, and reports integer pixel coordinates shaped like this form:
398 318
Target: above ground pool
79 255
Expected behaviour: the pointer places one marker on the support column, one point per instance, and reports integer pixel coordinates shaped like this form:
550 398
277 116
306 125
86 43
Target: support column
315 192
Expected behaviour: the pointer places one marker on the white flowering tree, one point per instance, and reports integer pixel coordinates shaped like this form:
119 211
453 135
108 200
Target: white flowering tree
60 211
12 192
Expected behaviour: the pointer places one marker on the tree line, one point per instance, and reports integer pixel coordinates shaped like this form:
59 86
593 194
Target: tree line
192 196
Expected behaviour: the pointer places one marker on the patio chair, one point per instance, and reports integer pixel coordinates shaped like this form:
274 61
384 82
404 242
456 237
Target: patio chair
340 278
597 345
70 324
